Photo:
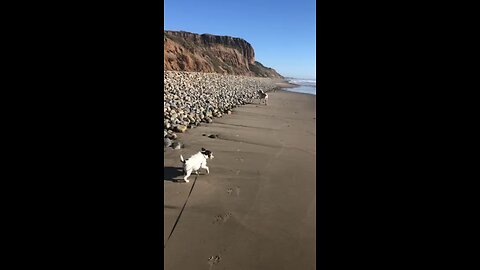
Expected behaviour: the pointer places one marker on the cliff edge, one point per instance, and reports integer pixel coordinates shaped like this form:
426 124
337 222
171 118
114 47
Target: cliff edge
184 51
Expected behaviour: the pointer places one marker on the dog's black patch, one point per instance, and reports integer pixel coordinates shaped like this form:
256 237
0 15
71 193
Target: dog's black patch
206 152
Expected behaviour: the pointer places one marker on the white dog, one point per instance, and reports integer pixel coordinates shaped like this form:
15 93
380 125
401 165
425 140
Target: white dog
263 96
195 162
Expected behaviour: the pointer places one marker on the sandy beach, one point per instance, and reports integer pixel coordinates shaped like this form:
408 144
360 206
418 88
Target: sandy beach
256 208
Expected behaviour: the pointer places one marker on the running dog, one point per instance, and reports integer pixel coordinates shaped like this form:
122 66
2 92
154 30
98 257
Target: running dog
195 162
263 96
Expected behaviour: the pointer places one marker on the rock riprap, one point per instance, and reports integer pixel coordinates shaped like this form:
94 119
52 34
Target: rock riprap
192 98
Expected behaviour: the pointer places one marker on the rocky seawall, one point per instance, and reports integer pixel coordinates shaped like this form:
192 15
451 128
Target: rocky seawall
191 99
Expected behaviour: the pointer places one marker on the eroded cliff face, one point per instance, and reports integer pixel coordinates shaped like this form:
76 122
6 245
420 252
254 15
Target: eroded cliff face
184 51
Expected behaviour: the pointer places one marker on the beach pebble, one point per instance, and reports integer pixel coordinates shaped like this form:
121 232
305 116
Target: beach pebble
181 128
166 142
177 145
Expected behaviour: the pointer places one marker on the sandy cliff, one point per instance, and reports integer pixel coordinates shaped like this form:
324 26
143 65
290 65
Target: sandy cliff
184 51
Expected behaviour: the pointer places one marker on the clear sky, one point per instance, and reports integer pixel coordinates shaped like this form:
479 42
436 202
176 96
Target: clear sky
282 32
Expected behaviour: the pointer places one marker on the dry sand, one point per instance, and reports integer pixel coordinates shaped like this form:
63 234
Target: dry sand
256 208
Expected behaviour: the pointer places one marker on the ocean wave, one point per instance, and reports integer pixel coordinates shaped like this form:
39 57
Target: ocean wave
303 89
304 82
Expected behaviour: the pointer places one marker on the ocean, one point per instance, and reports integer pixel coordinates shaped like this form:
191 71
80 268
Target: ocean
307 86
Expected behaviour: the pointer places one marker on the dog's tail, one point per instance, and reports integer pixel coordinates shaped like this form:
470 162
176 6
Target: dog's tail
181 159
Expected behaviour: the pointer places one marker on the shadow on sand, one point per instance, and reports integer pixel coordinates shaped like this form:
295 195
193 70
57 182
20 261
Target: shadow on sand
173 174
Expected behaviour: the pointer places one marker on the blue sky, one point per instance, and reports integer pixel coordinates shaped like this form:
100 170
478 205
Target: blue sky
281 32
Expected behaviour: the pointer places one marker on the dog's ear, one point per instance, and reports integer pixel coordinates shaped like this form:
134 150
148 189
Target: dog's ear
203 149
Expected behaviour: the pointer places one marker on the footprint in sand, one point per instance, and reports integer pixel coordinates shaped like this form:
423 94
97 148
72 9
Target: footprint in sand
222 218
218 219
238 172
237 191
213 260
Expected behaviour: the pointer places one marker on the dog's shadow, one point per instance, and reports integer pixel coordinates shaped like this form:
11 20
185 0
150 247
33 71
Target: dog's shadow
173 174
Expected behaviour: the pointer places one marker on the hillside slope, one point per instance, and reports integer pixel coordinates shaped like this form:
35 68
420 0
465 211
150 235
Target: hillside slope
184 51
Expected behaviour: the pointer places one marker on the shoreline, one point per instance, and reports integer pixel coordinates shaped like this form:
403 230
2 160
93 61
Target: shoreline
286 84
301 90
256 208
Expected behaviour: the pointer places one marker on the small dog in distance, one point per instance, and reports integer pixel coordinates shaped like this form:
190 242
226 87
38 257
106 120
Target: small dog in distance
263 96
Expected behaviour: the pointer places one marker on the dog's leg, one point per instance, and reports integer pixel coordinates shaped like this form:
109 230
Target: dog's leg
206 168
186 176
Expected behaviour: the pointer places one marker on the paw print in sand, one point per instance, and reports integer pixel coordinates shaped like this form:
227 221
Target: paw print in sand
214 260
222 218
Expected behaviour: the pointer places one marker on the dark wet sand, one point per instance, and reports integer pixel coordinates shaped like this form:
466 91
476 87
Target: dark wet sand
256 208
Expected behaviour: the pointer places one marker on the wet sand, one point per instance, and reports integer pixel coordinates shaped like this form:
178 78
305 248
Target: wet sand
256 208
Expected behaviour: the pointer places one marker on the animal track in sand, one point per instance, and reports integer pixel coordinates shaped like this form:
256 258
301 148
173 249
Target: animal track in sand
214 260
240 159
237 191
222 218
